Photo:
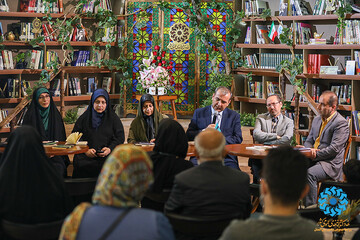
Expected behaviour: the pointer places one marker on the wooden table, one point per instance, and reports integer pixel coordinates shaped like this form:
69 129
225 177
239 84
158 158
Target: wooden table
51 151
158 101
190 153
240 150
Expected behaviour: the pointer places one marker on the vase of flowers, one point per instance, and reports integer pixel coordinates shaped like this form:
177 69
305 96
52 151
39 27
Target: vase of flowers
155 72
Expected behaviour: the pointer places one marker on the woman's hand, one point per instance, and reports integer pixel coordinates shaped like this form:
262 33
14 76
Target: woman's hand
106 151
91 153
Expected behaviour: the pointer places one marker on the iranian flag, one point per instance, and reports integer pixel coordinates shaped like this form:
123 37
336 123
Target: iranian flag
273 33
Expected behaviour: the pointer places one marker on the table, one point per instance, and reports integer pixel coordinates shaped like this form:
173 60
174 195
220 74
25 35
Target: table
240 150
50 151
158 101
190 153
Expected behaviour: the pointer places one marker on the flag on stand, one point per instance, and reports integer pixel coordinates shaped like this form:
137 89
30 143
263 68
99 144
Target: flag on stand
273 33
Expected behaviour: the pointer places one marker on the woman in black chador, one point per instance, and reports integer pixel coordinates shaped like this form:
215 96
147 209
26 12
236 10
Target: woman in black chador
168 157
103 131
31 191
44 116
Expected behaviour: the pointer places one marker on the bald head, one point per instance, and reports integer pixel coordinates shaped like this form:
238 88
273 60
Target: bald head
209 145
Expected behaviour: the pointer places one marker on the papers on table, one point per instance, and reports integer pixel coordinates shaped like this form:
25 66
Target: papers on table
260 148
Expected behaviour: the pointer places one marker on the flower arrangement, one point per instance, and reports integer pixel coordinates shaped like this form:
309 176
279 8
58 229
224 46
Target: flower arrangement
155 72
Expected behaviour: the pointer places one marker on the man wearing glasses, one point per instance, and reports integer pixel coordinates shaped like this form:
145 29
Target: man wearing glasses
327 140
271 128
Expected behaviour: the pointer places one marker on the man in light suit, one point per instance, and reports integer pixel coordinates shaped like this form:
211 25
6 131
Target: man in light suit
218 116
271 128
327 139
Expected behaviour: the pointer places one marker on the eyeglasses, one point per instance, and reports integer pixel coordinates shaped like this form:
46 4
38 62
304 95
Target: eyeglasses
272 104
44 97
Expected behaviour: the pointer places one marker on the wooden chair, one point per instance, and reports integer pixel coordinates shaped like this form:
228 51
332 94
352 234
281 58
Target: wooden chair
190 227
80 189
40 231
255 193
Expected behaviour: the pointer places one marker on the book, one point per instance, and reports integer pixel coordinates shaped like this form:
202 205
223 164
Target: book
73 138
350 67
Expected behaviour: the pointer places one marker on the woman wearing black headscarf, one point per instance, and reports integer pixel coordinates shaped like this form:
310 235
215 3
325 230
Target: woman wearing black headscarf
168 157
144 127
44 116
103 131
31 191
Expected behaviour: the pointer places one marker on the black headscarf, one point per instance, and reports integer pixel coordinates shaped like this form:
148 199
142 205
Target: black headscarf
149 120
170 149
30 188
55 130
96 118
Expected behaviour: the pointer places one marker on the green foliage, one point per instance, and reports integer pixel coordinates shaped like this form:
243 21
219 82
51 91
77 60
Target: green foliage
71 116
247 119
286 37
293 68
293 141
341 13
36 41
216 80
266 14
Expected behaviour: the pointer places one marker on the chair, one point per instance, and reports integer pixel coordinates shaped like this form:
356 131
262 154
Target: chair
40 231
80 189
191 227
255 193
155 201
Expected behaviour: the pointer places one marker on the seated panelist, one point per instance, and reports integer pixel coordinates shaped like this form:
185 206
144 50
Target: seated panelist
103 131
146 124
44 116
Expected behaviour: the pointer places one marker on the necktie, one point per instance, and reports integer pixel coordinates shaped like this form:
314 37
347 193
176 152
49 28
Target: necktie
273 124
214 118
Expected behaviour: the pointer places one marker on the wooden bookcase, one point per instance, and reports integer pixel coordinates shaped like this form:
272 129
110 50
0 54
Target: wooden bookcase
322 23
32 75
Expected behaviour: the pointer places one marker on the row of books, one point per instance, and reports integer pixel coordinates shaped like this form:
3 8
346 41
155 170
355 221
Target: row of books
48 32
6 60
255 89
321 6
303 33
357 60
79 34
343 92
80 58
272 60
90 7
262 34
40 6
74 85
3 114
272 88
315 61
351 33
252 61
255 7
36 59
356 118
13 88
294 8
26 33
4 7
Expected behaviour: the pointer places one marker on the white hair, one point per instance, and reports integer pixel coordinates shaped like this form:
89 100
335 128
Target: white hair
210 153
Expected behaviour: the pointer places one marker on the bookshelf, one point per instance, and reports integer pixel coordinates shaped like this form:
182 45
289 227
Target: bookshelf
319 23
63 101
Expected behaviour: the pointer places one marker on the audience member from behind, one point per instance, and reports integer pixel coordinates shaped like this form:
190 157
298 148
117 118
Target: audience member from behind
282 186
44 116
125 177
211 189
351 171
145 126
31 190
168 157
103 131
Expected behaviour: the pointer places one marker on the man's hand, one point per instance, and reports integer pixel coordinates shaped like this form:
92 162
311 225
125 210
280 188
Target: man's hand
313 153
152 140
299 146
106 151
91 153
278 137
211 126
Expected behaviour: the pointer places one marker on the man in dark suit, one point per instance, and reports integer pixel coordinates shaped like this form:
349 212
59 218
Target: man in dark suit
218 116
211 189
327 140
